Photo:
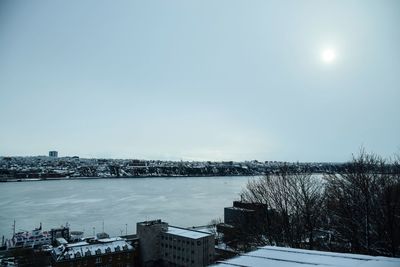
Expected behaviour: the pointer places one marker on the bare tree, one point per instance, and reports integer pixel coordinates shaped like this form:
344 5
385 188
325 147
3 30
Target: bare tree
307 192
358 209
364 203
294 201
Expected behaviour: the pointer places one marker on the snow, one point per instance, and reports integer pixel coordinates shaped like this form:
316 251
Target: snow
83 249
61 241
186 233
82 243
285 257
109 239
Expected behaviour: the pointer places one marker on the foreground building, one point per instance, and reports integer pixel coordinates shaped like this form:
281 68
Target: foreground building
290 257
165 245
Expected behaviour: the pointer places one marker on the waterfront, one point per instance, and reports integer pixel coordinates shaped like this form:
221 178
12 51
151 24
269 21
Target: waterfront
85 203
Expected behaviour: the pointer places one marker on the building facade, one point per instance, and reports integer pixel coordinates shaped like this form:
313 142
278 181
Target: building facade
182 247
109 252
165 245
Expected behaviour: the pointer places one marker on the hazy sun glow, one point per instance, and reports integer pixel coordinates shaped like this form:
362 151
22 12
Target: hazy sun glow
328 55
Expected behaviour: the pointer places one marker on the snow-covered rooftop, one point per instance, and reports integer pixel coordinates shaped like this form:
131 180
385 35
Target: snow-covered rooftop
186 233
84 249
285 257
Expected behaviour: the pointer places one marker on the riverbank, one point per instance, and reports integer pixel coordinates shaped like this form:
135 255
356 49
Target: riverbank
9 179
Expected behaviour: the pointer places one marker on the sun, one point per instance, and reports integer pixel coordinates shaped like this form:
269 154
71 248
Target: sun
328 55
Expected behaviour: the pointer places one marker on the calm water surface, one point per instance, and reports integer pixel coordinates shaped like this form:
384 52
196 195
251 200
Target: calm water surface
84 204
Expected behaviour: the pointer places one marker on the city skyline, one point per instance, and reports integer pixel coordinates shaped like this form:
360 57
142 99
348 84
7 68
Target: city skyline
228 80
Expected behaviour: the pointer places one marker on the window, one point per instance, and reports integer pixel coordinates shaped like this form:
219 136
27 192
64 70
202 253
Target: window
98 260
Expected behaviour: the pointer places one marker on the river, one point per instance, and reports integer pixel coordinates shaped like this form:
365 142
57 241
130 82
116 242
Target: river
86 203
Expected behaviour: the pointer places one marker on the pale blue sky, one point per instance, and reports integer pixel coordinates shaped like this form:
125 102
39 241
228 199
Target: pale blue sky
206 80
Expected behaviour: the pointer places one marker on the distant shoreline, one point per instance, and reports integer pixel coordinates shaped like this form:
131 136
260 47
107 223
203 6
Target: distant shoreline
16 180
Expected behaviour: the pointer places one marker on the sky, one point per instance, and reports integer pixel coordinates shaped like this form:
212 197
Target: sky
200 80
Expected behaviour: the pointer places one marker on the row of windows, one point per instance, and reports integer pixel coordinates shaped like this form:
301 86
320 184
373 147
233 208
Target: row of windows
110 265
99 260
174 247
179 240
180 258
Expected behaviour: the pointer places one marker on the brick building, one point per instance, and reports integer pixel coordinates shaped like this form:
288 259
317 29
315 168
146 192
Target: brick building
108 252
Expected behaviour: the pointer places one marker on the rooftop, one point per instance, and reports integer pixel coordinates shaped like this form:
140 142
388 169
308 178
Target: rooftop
285 257
186 233
242 209
84 249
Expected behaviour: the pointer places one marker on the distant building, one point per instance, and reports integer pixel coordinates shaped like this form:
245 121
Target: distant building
138 163
53 154
96 252
161 244
243 220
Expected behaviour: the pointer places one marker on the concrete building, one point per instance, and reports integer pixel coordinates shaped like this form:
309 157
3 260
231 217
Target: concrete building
53 154
162 244
149 234
243 220
242 213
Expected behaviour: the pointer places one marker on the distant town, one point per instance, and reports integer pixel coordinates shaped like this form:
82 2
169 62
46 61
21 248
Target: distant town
70 167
